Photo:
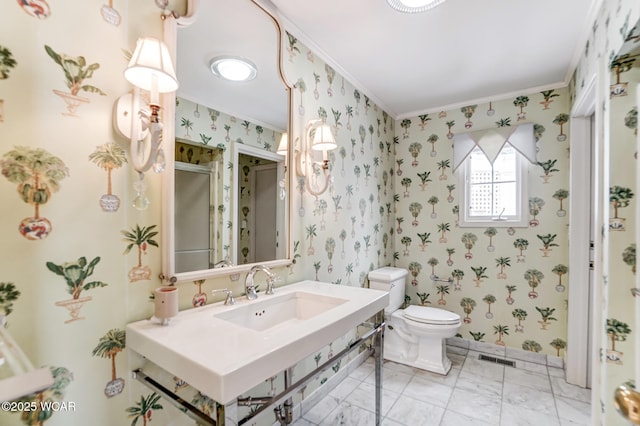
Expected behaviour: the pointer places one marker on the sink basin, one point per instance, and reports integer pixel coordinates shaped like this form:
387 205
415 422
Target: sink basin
225 351
280 310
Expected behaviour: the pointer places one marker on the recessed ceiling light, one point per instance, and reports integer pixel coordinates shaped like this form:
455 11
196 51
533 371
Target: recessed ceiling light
233 68
414 6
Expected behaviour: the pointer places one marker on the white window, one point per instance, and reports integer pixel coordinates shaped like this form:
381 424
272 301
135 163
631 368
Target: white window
493 194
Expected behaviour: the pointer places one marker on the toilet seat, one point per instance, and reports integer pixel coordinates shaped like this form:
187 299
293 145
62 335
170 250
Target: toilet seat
427 315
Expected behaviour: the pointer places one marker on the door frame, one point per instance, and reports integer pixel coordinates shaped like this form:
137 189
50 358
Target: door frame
241 148
581 203
637 276
253 220
211 170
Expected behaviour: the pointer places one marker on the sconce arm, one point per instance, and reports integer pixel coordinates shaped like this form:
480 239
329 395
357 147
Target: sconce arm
140 159
142 126
327 181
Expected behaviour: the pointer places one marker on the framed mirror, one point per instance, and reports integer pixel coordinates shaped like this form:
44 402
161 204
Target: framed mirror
225 179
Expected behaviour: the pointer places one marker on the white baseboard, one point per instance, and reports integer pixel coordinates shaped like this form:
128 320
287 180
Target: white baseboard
504 352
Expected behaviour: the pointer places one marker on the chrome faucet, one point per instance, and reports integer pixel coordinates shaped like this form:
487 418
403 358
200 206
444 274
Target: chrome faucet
249 286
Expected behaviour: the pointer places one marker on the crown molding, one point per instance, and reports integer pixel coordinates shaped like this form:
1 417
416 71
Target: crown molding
485 99
320 53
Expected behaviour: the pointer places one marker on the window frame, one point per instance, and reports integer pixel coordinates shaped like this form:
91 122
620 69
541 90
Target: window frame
520 220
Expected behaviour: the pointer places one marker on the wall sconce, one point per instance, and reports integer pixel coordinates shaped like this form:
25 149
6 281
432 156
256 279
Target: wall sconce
150 69
317 137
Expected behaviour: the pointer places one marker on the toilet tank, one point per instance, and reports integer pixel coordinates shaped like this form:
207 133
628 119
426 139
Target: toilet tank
392 280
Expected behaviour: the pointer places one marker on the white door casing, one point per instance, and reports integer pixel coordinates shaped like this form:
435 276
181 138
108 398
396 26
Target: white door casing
580 211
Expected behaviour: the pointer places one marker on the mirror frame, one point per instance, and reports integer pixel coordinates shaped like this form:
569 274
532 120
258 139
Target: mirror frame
171 23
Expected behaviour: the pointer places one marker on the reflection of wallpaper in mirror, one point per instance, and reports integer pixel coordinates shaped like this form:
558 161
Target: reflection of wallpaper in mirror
249 166
205 135
193 154
209 127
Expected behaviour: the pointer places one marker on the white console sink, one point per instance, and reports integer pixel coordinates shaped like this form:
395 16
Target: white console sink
224 351
281 310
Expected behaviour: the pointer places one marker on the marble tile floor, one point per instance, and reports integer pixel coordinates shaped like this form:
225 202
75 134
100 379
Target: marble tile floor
474 392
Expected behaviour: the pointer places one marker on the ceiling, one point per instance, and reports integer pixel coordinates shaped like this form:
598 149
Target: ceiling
459 53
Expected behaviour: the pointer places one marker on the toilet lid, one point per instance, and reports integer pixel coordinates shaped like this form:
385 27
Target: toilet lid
427 315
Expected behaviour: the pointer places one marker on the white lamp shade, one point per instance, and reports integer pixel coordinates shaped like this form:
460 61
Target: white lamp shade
283 146
151 59
323 139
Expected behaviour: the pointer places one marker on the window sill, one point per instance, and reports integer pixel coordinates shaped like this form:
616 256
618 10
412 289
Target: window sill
493 223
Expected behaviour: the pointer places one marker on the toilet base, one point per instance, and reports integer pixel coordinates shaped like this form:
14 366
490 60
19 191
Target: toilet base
421 346
438 362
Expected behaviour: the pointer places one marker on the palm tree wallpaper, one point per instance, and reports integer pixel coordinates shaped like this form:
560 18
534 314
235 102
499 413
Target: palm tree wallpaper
109 346
109 156
216 129
619 353
144 408
8 295
45 400
75 273
140 238
38 174
364 211
478 252
76 70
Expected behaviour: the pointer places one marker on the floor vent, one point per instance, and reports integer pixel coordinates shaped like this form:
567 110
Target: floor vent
482 357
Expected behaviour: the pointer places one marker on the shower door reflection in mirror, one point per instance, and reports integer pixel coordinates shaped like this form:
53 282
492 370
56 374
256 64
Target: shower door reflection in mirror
198 196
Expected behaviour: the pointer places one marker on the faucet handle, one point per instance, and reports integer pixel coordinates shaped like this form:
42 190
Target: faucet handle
271 283
230 300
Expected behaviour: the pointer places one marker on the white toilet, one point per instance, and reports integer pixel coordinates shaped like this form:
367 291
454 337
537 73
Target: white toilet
414 336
